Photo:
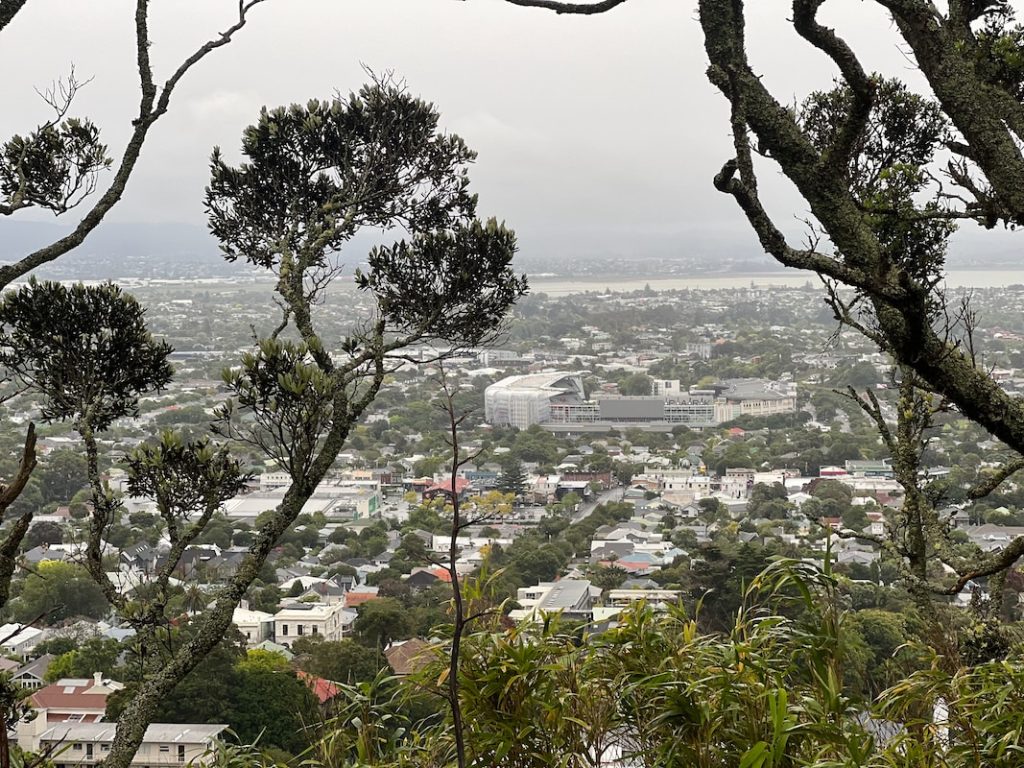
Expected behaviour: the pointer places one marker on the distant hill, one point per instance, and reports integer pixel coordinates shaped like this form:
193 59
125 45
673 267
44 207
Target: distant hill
118 249
174 250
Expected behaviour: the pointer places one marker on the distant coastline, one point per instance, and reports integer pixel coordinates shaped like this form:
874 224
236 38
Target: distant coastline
565 286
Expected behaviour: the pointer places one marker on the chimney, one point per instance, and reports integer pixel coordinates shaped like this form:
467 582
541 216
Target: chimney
97 679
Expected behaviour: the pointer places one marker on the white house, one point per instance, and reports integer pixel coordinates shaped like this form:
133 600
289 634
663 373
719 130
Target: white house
309 619
84 744
19 639
257 626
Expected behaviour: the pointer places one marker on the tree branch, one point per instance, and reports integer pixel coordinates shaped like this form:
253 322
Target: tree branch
8 495
993 481
572 8
1005 559
151 108
8 10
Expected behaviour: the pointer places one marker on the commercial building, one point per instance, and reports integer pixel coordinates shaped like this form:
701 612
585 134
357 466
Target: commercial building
521 401
337 500
558 403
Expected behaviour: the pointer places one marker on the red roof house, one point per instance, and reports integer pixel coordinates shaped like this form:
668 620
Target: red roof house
75 700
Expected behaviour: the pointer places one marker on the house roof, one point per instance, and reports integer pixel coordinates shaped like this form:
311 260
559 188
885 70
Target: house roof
441 574
35 668
324 690
270 645
352 599
407 657
461 484
163 733
72 693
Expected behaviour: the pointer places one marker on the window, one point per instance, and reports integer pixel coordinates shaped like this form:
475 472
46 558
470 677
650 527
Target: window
299 629
181 753
104 747
284 629
165 747
77 747
75 718
314 629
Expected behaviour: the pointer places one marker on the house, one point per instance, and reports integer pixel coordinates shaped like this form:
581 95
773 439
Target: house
461 488
408 656
848 556
19 639
83 744
421 578
225 565
572 598
272 647
659 599
610 550
257 626
360 595
74 700
324 690
31 675
140 558
331 592
44 553
309 620
192 559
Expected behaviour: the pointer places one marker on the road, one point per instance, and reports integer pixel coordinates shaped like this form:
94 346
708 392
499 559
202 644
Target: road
613 494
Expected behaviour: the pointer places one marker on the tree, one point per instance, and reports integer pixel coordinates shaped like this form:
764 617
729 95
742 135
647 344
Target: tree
512 478
86 352
833 489
870 160
928 557
382 620
97 654
635 384
607 577
863 157
57 165
58 591
312 178
44 532
203 696
342 661
63 474
271 705
770 501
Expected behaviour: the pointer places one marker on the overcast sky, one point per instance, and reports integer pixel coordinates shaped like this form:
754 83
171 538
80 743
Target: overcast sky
594 133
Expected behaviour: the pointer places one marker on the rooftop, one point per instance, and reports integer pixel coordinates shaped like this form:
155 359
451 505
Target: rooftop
160 733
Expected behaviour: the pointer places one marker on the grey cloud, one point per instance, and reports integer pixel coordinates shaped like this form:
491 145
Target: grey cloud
596 133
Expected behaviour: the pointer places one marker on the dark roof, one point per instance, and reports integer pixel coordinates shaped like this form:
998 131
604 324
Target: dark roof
422 579
35 668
